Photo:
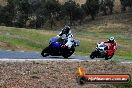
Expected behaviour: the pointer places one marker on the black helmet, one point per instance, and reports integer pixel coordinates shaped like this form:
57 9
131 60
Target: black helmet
66 29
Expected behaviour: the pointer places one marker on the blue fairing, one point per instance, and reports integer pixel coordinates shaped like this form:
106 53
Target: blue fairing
52 40
54 43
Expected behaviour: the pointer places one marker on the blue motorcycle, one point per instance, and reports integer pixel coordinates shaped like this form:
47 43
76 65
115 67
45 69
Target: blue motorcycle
55 49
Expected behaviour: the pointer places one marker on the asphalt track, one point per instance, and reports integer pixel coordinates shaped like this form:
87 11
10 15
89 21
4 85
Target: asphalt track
22 55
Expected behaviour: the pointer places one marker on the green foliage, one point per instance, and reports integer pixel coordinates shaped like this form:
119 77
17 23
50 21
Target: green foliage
37 13
125 3
24 7
79 14
91 7
107 5
6 15
52 6
73 10
22 12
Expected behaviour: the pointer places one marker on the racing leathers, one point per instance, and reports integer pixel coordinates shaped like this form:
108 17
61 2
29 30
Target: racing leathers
111 47
68 38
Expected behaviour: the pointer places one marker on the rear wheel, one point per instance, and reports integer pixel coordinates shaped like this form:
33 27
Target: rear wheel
108 57
68 53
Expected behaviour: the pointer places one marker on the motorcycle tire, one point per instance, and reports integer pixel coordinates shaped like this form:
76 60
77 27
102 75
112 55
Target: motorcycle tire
69 53
108 57
43 53
92 56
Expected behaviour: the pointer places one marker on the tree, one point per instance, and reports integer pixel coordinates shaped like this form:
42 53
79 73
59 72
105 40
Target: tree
7 14
124 4
79 13
91 7
53 8
42 16
72 10
23 11
107 5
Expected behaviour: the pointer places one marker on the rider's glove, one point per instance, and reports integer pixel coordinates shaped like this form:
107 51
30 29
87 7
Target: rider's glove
58 36
63 46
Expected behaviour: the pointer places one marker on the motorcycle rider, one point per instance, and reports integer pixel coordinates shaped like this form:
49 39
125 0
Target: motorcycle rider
66 36
112 45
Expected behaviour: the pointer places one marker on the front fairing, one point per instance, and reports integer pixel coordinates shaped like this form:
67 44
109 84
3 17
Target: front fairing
55 45
76 42
55 39
102 48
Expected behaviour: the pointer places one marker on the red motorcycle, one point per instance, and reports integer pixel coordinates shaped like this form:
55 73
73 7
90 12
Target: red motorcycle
102 51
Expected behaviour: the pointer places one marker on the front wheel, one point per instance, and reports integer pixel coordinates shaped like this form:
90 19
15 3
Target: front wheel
43 53
92 56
